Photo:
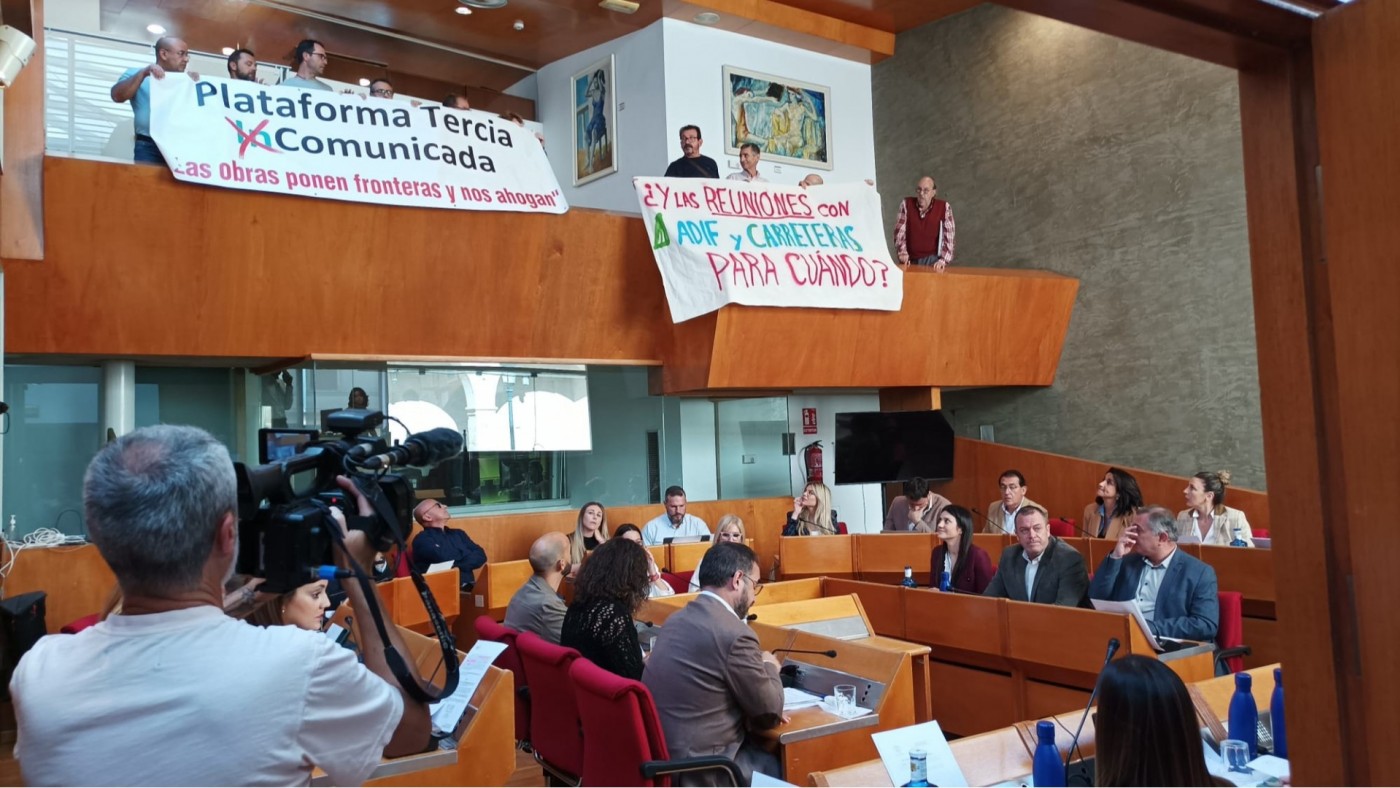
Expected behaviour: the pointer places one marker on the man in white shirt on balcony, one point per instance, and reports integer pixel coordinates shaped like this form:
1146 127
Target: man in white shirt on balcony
674 523
749 155
310 61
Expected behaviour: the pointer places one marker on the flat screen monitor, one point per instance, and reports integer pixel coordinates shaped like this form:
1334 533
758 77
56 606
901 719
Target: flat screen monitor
873 448
282 443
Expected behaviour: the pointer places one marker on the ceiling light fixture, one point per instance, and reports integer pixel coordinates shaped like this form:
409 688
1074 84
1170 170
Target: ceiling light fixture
155 30
364 83
463 10
620 6
484 3
519 24
706 18
227 51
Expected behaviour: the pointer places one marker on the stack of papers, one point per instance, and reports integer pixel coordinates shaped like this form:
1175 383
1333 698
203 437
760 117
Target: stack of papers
794 698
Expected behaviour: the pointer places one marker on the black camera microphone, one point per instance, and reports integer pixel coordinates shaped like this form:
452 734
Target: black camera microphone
1113 645
831 652
421 448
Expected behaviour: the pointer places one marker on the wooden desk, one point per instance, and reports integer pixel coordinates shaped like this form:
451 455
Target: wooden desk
404 607
75 578
881 558
812 556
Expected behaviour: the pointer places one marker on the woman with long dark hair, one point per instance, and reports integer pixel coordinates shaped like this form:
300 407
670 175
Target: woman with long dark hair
611 587
969 567
1146 731
1113 508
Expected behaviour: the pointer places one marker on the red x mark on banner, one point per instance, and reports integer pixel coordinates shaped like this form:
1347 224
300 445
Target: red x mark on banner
249 138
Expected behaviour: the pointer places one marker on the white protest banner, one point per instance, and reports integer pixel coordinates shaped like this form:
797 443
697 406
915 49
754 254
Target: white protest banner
312 143
728 242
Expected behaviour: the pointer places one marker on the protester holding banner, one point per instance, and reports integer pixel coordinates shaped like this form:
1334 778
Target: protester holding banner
692 164
749 155
172 54
243 65
923 233
310 61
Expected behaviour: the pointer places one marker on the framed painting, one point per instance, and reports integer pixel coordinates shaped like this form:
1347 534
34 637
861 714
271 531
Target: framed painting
789 120
595 122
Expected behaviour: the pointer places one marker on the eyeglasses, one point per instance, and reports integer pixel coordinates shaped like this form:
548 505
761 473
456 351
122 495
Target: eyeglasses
321 55
757 586
384 92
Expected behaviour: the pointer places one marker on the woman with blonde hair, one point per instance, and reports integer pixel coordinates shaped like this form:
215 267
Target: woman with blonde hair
1206 519
590 530
812 514
730 529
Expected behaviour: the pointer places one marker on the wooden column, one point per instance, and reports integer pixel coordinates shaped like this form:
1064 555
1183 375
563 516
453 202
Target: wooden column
911 398
22 183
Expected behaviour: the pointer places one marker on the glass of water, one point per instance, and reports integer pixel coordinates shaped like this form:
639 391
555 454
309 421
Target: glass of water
845 699
1235 753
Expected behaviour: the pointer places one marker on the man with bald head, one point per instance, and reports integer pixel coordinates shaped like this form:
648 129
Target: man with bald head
536 607
923 233
172 55
437 543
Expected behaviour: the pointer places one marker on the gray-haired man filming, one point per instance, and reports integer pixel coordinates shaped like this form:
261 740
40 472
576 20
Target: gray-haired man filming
173 692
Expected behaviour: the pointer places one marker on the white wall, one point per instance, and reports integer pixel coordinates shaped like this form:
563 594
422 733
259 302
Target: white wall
640 134
698 460
860 506
695 57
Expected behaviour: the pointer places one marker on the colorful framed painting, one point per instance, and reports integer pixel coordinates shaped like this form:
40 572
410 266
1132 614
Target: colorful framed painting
595 122
789 120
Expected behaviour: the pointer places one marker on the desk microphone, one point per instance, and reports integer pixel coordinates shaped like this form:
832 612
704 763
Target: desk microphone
831 652
1001 529
1113 645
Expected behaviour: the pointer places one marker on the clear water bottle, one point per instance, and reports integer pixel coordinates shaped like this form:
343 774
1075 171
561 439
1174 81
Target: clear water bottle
945 580
1047 769
1276 716
1244 714
1238 541
908 581
918 768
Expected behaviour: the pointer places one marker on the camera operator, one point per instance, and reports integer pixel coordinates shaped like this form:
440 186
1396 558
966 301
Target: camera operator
174 692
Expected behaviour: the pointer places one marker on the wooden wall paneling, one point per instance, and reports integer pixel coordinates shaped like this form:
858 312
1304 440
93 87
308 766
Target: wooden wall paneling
982 342
883 604
960 628
881 558
1065 643
22 182
968 701
1047 700
812 556
1356 62
1297 373
1264 638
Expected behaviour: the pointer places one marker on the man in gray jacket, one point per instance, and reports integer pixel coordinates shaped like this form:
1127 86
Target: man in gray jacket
710 679
536 607
1040 568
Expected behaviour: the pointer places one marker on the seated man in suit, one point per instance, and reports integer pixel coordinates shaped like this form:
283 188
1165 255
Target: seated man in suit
709 678
916 510
437 543
1040 568
1177 592
536 607
1001 514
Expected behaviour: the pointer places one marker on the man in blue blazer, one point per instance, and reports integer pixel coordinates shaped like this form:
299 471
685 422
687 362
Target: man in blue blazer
1176 591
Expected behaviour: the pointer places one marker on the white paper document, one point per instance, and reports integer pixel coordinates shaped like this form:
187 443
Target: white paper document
1131 608
794 698
440 566
894 747
449 710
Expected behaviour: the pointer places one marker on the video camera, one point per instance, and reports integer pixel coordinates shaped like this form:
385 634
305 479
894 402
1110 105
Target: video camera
285 528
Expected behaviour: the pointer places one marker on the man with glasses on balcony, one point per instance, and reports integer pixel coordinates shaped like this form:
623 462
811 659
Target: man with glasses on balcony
172 54
710 679
243 65
438 543
310 61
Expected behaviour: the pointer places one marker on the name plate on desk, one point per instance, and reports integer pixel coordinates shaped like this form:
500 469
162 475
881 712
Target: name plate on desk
848 628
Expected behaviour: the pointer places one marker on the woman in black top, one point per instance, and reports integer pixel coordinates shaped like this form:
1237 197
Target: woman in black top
610 588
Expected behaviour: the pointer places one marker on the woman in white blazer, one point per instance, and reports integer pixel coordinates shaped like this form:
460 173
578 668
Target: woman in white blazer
1206 519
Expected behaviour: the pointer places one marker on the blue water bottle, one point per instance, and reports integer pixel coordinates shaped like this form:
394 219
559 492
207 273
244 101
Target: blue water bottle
944 580
1244 714
1238 541
908 581
1276 716
1047 769
918 768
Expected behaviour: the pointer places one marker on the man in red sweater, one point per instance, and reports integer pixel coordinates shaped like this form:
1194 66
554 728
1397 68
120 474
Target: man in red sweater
923 233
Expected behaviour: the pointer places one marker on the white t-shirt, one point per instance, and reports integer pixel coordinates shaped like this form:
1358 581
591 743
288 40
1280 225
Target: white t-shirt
660 527
193 697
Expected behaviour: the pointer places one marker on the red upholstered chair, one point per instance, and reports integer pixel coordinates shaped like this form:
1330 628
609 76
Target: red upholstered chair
557 736
841 529
1262 533
401 566
630 748
679 584
78 625
1230 649
687 577
1063 528
509 660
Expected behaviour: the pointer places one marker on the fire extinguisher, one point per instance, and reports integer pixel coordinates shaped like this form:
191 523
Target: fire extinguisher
812 458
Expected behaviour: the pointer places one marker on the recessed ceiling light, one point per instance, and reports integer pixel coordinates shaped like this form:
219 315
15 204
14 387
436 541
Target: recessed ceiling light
463 10
706 18
364 83
156 30
227 50
484 3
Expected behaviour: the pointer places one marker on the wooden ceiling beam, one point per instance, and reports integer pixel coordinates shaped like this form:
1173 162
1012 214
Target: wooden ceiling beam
791 25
